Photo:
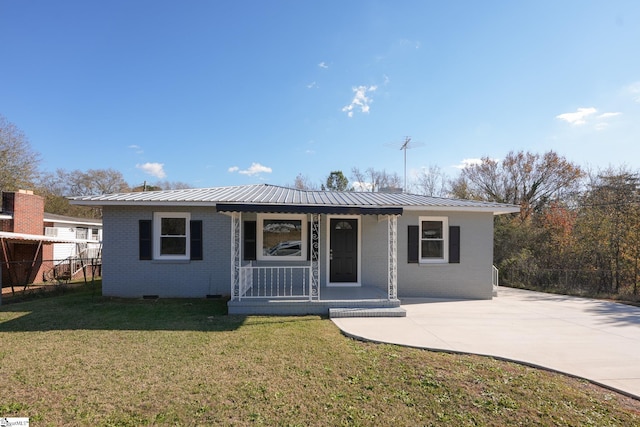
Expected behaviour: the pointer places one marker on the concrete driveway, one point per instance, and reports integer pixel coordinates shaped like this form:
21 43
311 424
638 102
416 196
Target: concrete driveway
595 340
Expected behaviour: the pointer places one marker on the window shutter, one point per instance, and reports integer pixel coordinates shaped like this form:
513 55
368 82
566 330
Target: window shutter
196 239
145 241
454 244
250 241
414 243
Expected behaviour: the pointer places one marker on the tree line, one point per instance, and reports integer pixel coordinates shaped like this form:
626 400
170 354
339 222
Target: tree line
577 230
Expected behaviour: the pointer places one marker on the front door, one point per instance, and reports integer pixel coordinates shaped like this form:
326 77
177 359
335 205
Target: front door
343 250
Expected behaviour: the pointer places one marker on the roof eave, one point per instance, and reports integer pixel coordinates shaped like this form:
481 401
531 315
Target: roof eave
496 210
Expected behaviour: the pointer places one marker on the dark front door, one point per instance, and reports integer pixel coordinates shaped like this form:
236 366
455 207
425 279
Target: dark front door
343 250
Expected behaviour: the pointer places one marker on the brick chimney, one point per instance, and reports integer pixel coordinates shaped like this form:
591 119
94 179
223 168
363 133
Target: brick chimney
27 210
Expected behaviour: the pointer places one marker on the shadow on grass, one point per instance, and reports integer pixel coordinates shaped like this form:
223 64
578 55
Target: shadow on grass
86 309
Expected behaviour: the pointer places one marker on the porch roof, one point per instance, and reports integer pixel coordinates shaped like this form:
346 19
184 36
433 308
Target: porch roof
35 238
264 195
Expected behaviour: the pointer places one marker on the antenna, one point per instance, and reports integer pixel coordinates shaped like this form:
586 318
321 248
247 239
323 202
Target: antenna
407 144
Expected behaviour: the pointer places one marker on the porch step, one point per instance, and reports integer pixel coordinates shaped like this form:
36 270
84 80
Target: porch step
339 312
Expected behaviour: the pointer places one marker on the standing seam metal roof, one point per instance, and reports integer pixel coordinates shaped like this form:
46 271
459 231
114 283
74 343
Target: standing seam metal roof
271 194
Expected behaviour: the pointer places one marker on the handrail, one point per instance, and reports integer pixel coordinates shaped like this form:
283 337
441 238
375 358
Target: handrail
495 277
274 281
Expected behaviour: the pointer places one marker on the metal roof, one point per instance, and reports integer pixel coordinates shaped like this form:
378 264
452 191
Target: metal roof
23 237
266 194
49 217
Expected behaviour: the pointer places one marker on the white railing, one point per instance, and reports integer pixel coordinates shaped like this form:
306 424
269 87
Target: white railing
495 278
274 282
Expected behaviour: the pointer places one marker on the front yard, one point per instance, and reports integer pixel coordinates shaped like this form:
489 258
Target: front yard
80 359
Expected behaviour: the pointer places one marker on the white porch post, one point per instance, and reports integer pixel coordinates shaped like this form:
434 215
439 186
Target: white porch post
236 240
392 241
315 260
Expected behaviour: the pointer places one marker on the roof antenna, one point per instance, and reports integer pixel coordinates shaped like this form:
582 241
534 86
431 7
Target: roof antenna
407 144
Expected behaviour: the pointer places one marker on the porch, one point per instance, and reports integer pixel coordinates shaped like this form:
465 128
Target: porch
293 286
362 301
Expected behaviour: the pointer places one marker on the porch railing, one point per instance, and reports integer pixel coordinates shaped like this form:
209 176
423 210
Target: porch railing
274 281
495 278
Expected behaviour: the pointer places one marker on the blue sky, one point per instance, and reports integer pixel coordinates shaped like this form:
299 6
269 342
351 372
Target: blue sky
236 92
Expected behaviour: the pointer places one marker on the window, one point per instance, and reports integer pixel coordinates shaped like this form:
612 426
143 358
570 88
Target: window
282 237
434 236
171 232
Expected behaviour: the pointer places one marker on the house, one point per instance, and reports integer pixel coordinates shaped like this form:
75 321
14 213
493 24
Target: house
281 250
36 246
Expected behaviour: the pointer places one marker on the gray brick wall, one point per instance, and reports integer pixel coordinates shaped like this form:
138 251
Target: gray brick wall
126 276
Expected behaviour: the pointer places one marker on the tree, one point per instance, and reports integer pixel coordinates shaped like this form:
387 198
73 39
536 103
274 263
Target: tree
56 187
432 182
18 162
161 185
373 180
524 179
302 182
608 223
336 181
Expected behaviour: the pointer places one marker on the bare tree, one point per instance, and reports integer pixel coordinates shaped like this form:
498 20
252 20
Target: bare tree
18 162
524 179
56 187
303 182
373 180
432 181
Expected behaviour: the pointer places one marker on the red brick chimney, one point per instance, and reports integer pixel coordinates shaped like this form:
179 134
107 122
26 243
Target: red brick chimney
27 210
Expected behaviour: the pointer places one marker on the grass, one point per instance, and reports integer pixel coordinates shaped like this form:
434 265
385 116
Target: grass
80 359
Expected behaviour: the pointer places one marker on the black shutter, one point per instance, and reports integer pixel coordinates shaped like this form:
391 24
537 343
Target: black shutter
413 245
250 241
196 239
145 241
454 244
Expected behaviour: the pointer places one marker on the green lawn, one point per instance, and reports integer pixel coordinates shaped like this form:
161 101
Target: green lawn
80 359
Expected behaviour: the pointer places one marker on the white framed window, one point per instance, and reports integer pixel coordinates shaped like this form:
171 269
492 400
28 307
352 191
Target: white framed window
171 235
281 237
434 239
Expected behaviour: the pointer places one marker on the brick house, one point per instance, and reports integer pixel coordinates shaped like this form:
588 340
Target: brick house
30 239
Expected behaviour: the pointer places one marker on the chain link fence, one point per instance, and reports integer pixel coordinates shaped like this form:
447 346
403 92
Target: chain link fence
571 281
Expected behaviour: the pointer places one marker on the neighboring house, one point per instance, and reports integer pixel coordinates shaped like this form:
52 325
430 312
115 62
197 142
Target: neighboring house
288 251
34 243
86 232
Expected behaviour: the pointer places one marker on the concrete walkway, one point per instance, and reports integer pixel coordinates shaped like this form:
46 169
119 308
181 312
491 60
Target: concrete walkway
595 340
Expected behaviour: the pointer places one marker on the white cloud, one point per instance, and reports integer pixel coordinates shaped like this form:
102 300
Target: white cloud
254 169
136 148
468 162
602 123
361 186
153 169
312 85
577 118
608 115
634 90
360 100
323 65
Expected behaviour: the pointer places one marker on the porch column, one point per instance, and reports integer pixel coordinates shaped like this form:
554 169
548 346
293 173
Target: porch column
315 260
235 254
392 245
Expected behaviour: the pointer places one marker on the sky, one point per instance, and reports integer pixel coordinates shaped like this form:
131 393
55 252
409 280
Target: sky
215 93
